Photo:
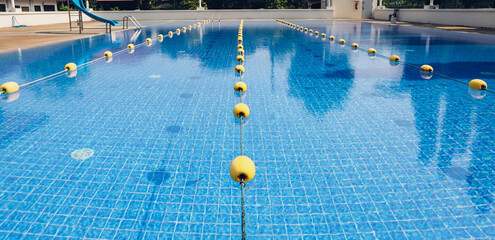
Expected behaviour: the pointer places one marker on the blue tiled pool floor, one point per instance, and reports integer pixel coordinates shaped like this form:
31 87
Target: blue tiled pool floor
345 146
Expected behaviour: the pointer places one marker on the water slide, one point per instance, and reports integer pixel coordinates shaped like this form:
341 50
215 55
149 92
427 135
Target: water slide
79 4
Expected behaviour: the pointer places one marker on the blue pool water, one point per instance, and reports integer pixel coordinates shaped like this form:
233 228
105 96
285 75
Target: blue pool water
345 146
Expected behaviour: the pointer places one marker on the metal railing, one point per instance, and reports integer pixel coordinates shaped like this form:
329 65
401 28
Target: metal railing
126 19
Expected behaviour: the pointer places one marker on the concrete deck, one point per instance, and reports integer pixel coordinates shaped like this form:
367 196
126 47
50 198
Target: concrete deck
12 39
443 27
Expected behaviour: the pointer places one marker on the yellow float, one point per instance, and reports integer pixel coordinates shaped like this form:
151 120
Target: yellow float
240 87
107 54
242 169
9 87
70 67
478 84
394 58
426 68
241 110
239 69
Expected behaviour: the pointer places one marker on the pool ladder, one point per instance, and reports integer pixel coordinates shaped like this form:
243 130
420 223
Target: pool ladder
126 19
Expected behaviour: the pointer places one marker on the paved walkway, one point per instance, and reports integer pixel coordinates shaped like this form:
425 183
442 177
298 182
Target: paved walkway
443 27
27 37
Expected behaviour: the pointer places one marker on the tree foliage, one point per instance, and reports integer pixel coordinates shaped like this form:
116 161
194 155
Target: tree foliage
237 4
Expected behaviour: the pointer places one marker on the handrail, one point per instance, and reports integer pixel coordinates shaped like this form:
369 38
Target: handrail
126 19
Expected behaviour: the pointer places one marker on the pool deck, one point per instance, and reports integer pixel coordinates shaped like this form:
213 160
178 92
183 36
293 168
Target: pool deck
12 39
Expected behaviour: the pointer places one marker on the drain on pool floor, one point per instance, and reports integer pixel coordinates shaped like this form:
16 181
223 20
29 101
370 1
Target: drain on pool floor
82 154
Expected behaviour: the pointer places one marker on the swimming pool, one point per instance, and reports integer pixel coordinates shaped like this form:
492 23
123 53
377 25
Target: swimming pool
345 146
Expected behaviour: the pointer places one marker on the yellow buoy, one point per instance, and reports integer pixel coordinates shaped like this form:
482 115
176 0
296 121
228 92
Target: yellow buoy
9 87
160 36
478 84
331 38
70 67
183 28
199 24
239 69
239 46
342 41
240 87
194 25
239 58
241 110
394 58
148 40
371 51
305 29
426 68
170 33
240 51
177 30
189 27
107 54
316 32
354 45
130 46
310 30
323 35
242 169
239 39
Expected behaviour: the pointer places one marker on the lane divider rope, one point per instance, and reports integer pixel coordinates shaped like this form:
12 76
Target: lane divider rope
11 87
356 47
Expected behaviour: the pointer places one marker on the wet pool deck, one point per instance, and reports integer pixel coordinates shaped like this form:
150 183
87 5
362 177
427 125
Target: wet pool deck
12 39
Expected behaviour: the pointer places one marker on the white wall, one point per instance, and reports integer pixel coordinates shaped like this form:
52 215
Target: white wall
224 14
347 9
460 17
30 4
38 18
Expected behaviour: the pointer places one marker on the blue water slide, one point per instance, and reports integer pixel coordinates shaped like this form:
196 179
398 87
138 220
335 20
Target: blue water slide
79 4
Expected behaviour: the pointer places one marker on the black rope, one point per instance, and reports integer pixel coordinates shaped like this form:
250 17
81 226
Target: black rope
243 213
242 150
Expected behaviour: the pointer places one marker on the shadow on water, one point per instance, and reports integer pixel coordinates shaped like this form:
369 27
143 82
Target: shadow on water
159 176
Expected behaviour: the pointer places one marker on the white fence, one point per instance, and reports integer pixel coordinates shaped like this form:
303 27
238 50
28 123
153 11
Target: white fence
222 14
460 17
38 18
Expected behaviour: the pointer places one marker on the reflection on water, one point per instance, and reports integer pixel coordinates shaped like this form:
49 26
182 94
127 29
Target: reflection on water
453 129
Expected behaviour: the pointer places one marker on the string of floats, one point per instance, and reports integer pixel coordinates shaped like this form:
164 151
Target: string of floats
426 71
242 168
71 68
